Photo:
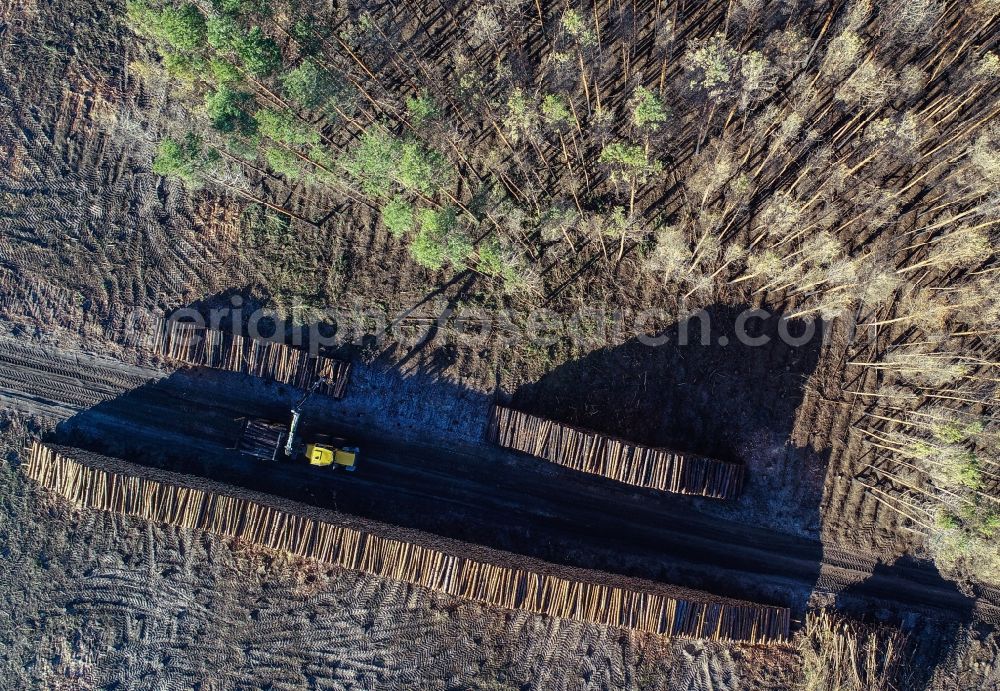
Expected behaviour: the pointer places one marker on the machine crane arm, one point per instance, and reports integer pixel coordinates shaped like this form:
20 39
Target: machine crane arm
297 415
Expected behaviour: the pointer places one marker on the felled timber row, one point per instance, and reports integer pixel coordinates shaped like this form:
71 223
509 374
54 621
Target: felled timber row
619 460
194 344
532 589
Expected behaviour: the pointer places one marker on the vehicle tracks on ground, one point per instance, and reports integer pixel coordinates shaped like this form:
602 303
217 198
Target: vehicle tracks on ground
477 494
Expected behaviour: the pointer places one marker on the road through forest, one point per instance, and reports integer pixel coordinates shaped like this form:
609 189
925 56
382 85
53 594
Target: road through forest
188 421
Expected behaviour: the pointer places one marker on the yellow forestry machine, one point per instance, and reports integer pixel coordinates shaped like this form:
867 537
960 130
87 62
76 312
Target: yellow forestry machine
269 441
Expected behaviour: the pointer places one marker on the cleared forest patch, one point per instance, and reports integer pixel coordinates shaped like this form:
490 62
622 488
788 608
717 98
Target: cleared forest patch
832 159
94 599
547 592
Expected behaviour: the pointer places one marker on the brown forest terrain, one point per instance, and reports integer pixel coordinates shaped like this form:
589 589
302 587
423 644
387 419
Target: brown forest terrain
828 161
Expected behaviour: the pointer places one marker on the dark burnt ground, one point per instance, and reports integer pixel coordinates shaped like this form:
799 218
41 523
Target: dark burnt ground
712 395
716 395
88 228
930 641
470 492
476 494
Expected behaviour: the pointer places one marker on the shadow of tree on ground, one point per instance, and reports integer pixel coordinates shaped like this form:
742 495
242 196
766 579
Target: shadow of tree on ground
933 620
707 396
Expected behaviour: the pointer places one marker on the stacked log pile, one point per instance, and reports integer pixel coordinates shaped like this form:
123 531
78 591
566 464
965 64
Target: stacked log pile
531 589
619 460
193 344
262 439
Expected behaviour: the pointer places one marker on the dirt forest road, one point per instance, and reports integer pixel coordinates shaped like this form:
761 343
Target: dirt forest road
188 421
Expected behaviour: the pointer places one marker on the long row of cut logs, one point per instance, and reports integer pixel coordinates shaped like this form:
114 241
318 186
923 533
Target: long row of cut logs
193 344
98 487
619 460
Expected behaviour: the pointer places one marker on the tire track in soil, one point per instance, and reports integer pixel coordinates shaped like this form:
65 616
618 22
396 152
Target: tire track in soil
852 517
494 498
84 210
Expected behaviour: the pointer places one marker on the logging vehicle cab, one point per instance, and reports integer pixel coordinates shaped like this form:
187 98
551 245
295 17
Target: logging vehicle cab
324 454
